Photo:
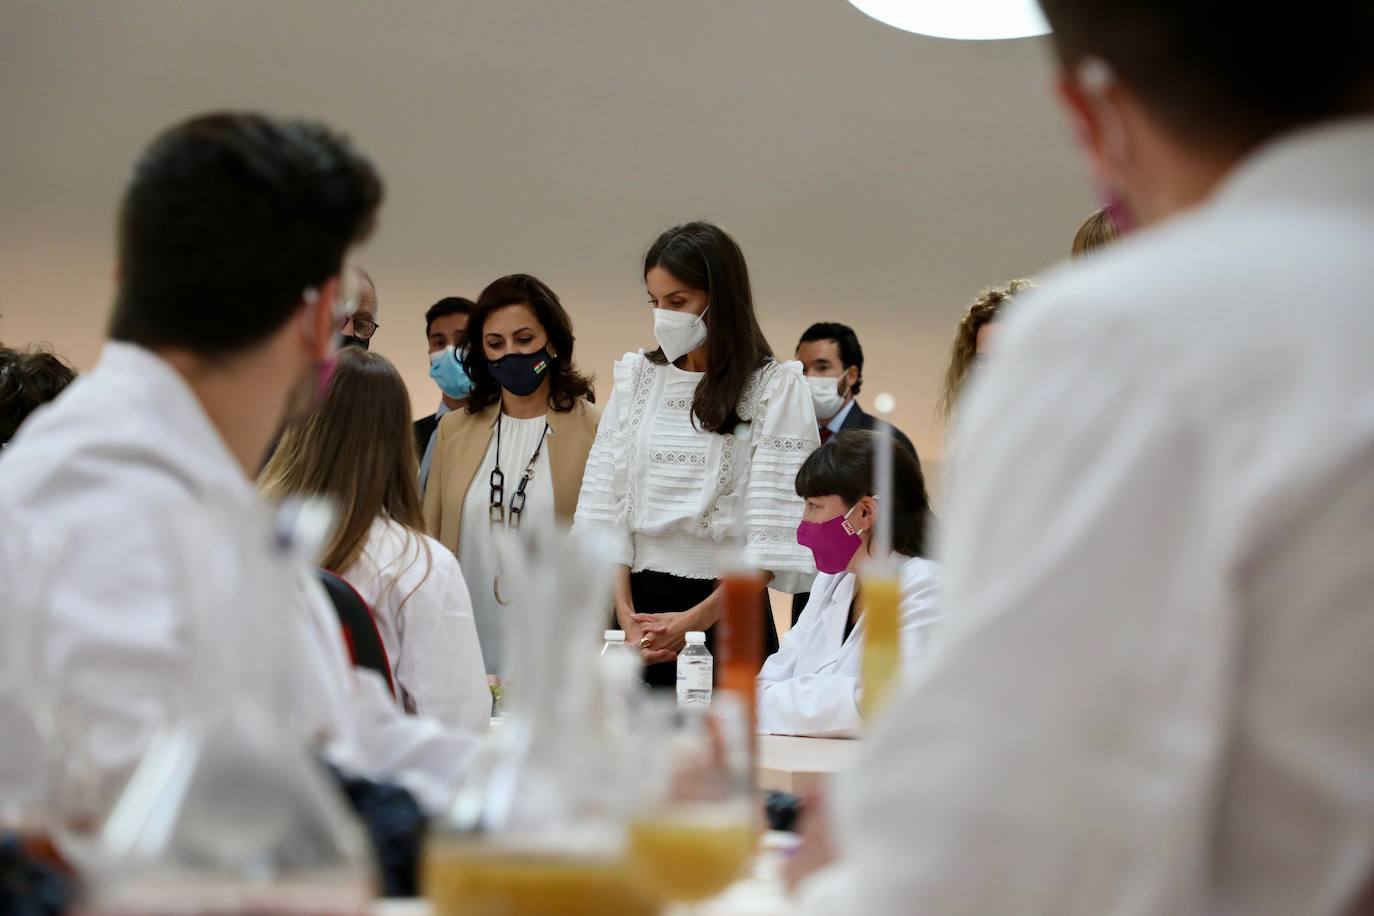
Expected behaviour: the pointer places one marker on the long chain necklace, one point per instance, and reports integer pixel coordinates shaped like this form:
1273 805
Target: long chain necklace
497 509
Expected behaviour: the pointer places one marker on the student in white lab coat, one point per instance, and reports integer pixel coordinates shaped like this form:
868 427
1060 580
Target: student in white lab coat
1154 689
354 450
811 685
232 238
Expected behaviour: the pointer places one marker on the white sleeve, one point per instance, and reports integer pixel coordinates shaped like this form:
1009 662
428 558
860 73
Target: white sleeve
781 439
815 705
371 735
1057 752
819 705
112 640
440 665
601 503
920 611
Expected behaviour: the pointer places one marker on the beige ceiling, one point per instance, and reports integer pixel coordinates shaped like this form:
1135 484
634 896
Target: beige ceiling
872 176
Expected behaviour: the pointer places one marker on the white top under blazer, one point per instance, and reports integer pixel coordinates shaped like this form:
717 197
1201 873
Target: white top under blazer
668 493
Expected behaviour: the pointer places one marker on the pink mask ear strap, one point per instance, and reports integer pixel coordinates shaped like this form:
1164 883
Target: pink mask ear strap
848 528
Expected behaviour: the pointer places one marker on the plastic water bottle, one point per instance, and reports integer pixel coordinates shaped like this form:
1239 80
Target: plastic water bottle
615 642
694 669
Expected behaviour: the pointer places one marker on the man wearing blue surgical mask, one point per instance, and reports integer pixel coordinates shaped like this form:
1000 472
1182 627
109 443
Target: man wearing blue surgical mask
446 325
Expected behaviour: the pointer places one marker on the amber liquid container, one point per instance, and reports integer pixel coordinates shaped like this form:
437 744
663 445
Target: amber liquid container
739 643
882 649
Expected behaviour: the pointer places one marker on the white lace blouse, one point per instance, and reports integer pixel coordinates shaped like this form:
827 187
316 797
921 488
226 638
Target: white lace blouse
668 493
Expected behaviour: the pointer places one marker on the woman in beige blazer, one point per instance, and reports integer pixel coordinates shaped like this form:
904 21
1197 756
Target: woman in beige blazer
515 456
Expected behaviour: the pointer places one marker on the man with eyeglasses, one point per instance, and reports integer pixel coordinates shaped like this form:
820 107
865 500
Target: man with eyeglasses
361 322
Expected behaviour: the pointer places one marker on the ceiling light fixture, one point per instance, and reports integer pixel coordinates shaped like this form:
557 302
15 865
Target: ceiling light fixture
974 20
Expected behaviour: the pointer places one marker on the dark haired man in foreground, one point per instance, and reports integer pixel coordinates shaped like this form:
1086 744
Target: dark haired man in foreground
131 499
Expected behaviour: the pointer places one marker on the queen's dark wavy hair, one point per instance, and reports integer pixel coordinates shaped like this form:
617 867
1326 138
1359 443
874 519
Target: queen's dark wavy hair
566 384
702 256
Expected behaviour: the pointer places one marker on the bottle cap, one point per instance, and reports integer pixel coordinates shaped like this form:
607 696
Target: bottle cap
615 636
696 638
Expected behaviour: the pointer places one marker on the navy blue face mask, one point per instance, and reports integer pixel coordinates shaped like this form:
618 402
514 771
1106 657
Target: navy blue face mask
521 373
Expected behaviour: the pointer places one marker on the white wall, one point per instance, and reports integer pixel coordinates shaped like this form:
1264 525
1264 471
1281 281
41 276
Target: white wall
871 176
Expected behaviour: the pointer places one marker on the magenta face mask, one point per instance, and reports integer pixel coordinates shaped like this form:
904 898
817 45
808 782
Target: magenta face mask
834 543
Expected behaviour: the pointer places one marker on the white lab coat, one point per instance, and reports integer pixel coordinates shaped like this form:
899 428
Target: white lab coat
1154 688
94 489
420 603
811 685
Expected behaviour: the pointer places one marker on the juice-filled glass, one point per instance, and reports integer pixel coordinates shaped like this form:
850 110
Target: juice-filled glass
539 824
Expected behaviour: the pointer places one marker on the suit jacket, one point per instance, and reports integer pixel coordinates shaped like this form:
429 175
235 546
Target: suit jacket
424 428
462 444
857 419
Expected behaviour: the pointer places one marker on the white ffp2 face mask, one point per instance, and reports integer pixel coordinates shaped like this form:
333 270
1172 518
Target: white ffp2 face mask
825 395
678 333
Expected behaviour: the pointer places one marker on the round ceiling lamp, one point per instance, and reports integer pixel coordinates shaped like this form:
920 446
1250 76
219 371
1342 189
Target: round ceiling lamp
974 20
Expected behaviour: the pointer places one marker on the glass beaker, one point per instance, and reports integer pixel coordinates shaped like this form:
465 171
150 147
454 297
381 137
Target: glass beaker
539 824
227 811
696 826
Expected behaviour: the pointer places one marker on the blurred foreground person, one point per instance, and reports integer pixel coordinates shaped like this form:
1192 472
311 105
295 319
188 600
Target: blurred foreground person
232 236
1154 693
353 448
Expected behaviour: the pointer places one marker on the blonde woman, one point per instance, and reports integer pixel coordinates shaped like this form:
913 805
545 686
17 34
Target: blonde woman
973 341
357 448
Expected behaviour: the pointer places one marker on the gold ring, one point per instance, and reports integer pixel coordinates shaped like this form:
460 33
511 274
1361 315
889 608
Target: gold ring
646 641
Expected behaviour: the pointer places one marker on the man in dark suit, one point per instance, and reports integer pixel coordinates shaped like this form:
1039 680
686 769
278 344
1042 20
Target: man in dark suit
446 325
834 365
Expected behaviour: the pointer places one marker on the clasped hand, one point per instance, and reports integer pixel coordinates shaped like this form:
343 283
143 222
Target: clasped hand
666 634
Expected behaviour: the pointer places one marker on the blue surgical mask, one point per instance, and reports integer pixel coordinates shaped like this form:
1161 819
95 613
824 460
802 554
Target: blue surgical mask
446 368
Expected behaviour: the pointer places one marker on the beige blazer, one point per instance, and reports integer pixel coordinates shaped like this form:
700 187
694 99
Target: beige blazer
462 442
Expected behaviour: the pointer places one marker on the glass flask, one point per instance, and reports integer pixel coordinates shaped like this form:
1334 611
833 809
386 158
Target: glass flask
695 825
539 825
228 812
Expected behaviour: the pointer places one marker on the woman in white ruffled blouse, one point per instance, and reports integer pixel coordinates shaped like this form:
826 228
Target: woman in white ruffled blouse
704 429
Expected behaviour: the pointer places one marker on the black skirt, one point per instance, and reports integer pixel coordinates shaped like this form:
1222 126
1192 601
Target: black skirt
658 592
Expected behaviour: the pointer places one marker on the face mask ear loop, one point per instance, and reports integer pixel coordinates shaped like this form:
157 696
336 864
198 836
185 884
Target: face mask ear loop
848 528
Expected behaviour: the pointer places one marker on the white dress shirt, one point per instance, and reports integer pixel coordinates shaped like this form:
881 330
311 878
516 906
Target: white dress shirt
122 466
836 423
1154 690
668 493
424 615
810 686
477 547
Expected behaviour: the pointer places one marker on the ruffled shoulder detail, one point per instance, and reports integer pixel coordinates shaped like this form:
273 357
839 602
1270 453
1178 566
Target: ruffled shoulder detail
773 383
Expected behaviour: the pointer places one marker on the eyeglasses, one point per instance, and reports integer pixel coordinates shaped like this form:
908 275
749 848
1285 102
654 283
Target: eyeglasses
363 328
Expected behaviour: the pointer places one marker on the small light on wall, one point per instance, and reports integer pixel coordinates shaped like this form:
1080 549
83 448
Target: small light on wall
975 20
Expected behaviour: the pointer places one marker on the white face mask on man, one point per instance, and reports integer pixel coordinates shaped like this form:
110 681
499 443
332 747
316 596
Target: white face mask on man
678 333
826 396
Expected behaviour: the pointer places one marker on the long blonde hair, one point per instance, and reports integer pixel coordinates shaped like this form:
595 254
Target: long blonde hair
356 448
983 312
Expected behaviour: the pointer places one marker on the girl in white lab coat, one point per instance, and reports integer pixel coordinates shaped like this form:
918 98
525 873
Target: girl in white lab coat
357 449
811 685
